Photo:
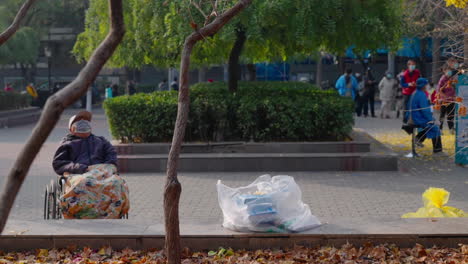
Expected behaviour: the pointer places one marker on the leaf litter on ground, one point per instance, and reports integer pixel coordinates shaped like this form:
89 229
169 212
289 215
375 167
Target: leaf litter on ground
347 254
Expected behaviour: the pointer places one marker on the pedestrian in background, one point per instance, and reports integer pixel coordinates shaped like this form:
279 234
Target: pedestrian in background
131 90
8 88
361 97
109 92
370 87
163 85
399 100
387 89
175 85
115 90
347 84
408 84
32 91
446 98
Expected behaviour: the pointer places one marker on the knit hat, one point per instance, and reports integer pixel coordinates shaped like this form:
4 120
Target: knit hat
421 82
81 115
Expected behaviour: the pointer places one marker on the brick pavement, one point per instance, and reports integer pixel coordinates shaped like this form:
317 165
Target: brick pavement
329 194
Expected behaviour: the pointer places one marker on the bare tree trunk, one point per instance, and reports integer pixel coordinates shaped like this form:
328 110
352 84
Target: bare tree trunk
465 49
202 74
318 74
465 39
173 187
11 30
422 56
55 106
435 59
236 51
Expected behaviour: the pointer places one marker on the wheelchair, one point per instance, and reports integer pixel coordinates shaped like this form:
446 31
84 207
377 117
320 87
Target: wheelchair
53 191
51 198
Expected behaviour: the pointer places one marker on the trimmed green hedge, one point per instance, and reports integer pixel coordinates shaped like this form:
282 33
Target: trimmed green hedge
14 100
260 111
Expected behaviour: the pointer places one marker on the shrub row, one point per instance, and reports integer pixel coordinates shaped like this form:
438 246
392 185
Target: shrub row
259 111
14 100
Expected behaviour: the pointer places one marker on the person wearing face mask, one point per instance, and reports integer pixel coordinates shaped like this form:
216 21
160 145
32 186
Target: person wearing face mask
446 98
419 113
361 96
89 164
387 89
399 105
81 149
454 65
408 83
347 84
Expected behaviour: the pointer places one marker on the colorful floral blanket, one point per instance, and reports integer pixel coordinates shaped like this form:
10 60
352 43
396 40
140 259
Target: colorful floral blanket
98 193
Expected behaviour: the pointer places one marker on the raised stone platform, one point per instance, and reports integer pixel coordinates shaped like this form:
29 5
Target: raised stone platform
20 117
23 235
360 153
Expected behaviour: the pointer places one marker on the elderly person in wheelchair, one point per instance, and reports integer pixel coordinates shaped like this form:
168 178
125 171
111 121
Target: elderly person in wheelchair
92 188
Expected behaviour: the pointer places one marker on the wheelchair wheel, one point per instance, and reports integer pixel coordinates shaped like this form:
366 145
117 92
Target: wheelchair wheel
46 204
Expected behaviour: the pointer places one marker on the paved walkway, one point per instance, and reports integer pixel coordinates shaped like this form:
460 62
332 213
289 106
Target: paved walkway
329 194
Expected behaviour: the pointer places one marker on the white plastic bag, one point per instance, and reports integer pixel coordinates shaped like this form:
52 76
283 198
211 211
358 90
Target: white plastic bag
269 204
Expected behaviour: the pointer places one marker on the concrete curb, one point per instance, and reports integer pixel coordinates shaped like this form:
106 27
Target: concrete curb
363 153
21 117
202 236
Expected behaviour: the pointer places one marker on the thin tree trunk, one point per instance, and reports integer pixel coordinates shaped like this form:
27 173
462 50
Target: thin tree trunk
55 106
202 74
422 56
252 72
465 39
318 74
236 51
173 187
435 59
11 30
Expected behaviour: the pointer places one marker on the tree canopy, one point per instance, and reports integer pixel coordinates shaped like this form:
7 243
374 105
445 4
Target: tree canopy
275 30
23 47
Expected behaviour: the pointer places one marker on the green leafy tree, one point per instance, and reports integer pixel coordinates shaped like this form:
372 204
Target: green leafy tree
23 47
269 30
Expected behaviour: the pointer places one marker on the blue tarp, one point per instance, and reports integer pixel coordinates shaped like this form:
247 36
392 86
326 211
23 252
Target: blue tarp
410 48
273 71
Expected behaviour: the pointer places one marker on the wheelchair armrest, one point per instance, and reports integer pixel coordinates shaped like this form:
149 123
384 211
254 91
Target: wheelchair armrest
62 178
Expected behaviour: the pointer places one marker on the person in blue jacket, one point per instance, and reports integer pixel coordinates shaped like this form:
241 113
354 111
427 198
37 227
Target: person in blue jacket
419 112
347 85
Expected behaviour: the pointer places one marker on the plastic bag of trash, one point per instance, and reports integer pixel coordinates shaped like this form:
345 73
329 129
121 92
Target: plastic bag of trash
269 204
434 205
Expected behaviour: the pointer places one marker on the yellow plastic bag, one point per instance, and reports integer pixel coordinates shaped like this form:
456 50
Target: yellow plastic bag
434 200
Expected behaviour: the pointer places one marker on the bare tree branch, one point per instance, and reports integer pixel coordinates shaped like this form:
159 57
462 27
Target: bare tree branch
198 8
10 31
55 106
173 187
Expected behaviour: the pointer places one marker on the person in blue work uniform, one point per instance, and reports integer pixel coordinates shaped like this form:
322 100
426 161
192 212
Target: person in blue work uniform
420 114
347 84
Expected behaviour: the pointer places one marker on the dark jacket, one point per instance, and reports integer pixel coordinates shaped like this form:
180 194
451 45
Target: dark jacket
75 154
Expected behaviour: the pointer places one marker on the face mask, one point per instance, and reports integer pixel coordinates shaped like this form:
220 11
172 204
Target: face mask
456 65
389 76
448 73
358 75
82 126
412 67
